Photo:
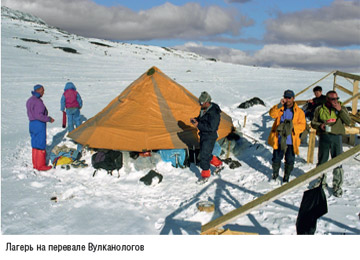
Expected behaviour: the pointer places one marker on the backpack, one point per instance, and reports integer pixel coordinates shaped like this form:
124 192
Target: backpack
108 160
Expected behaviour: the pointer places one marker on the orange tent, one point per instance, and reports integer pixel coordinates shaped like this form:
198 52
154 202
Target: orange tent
152 113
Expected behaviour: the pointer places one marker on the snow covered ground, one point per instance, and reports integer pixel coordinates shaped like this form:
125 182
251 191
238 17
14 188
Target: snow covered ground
107 205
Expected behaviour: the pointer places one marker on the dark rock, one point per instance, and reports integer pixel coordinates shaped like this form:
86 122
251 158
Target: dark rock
32 40
101 44
251 102
67 49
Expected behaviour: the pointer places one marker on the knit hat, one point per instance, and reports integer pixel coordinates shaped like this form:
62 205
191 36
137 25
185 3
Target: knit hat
289 94
36 87
204 97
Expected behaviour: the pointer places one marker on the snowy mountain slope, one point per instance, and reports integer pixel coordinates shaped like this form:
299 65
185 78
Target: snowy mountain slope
125 206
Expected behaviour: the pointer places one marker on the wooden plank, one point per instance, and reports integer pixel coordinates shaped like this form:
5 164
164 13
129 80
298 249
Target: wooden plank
311 147
302 91
352 130
278 192
228 149
343 89
354 106
349 99
231 232
355 92
300 102
355 118
347 75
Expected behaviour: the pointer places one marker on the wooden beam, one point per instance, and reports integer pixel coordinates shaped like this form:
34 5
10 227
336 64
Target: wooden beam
355 92
343 89
302 91
347 75
352 130
278 192
349 99
300 102
311 147
355 118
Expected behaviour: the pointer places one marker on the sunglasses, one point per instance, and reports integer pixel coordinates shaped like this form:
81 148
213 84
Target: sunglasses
287 97
333 99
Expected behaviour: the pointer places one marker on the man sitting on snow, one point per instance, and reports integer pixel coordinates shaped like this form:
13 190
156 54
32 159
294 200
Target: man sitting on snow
208 123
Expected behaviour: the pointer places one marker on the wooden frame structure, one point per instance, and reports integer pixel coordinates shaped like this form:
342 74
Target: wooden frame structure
215 227
212 227
355 96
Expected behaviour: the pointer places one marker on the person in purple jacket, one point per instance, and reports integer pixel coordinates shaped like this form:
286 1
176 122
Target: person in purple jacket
71 100
38 117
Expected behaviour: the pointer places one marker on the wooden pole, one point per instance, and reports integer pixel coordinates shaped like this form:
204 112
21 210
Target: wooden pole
244 121
347 75
311 147
228 149
354 108
278 192
355 92
349 99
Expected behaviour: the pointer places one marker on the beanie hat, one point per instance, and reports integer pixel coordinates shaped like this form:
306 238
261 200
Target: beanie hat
204 97
36 87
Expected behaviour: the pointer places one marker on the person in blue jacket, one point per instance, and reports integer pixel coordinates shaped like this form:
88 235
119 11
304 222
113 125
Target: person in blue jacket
38 117
208 123
71 100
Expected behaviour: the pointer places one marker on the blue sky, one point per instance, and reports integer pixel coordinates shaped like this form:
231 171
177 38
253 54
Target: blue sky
320 35
258 10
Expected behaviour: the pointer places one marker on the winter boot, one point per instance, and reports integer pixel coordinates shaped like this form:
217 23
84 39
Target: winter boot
338 174
40 159
288 170
215 161
321 180
205 173
276 168
34 162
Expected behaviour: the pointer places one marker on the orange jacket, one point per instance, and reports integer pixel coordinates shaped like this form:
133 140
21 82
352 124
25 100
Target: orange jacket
299 123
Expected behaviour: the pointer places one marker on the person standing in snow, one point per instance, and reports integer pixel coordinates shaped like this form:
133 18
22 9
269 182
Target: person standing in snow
38 117
285 133
71 100
208 123
329 120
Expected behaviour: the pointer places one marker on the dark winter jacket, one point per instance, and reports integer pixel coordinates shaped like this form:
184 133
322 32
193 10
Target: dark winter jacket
318 101
209 120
